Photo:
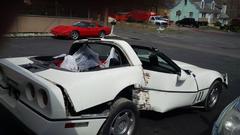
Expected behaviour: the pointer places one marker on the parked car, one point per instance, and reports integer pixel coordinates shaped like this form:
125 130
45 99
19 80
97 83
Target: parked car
187 22
99 87
158 20
235 25
86 28
228 123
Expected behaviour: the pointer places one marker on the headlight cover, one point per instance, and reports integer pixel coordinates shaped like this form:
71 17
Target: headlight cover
42 98
30 92
228 122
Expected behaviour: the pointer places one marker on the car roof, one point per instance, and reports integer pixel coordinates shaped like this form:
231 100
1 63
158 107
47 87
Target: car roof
88 21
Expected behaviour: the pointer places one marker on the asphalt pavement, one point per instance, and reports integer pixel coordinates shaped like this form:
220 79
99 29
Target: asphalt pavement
217 51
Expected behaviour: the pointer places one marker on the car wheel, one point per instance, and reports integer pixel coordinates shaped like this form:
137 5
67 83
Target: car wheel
213 95
75 35
122 120
102 34
158 24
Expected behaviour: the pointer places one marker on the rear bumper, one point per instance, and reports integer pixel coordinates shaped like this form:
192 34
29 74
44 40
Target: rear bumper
46 126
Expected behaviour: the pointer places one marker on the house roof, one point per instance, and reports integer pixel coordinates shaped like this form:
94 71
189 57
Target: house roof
207 8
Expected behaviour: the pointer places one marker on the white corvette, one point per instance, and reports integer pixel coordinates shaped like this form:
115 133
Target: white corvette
100 87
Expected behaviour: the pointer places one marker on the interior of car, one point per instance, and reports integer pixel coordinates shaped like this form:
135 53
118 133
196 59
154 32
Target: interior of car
107 55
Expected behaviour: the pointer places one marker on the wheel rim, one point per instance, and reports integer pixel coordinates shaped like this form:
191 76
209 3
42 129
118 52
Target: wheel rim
213 97
102 35
75 35
123 123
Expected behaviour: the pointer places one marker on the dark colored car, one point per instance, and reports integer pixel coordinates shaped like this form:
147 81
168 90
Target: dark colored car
187 22
228 123
86 28
235 25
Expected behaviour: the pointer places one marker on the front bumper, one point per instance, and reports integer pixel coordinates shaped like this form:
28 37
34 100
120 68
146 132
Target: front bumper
44 126
225 80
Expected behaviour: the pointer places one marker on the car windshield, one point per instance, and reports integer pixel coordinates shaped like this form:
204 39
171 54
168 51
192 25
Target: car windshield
100 24
83 24
158 18
76 24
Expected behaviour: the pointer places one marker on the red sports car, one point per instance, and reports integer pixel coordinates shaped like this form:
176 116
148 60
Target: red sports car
81 29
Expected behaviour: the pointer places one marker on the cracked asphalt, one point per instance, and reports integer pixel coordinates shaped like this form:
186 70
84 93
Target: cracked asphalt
217 51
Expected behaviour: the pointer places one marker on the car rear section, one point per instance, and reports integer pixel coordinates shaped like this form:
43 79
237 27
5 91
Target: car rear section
39 104
107 30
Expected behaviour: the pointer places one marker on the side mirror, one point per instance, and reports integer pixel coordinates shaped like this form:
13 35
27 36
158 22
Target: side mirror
182 76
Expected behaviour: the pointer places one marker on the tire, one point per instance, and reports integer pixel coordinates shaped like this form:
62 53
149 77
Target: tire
158 24
102 34
75 35
213 95
122 120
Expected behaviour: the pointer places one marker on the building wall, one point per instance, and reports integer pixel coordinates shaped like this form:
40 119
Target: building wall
29 23
233 8
185 9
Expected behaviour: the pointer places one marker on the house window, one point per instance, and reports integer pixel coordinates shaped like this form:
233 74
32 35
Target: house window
190 14
186 2
178 13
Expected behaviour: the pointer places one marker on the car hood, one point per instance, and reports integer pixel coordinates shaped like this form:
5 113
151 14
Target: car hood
204 77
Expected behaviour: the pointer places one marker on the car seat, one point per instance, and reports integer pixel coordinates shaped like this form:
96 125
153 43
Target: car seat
112 59
153 60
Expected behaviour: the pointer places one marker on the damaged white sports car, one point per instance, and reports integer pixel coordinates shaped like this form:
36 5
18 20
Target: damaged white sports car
99 87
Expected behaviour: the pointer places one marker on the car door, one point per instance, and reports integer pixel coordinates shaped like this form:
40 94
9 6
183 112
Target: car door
82 28
168 86
93 29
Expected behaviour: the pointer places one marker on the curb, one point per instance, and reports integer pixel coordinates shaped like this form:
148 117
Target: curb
28 34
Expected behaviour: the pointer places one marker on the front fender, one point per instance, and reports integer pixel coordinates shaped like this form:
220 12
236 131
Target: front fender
206 78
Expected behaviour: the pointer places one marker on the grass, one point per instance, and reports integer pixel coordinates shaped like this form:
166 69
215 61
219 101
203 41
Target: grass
149 27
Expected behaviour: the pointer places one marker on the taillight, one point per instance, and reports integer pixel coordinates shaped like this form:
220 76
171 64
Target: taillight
42 98
30 92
